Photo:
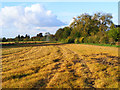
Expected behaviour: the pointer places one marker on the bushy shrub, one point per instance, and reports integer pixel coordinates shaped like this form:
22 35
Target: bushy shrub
69 40
4 39
81 39
96 39
85 40
63 40
42 39
76 41
117 43
90 39
16 42
104 40
111 41
114 33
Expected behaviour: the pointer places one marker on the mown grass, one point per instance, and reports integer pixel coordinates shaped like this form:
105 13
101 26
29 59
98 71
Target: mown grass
60 66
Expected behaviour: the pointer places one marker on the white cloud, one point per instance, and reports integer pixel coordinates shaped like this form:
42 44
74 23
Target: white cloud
72 20
115 18
28 18
52 30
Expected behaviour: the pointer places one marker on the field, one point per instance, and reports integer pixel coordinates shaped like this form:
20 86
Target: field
60 66
23 42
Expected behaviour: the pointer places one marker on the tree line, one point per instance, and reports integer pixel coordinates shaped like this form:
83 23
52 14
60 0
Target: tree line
97 28
38 37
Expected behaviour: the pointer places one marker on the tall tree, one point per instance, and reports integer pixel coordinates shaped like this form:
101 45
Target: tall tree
39 35
59 34
66 32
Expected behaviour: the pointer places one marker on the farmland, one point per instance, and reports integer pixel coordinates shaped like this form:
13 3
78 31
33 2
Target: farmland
60 66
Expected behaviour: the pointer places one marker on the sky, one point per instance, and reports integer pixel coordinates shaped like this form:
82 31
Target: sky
34 17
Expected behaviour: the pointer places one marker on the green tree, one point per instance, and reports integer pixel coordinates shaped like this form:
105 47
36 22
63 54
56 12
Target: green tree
105 21
22 38
92 27
59 34
39 35
66 32
114 33
4 39
52 37
26 38
17 38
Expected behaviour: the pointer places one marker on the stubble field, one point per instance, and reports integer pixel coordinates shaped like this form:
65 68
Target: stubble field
60 66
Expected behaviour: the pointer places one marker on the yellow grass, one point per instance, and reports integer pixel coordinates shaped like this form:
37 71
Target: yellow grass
60 66
24 42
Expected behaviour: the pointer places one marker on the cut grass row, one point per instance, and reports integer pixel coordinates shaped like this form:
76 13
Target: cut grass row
61 66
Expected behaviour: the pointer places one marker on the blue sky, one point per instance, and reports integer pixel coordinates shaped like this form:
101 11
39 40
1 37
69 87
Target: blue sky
61 13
